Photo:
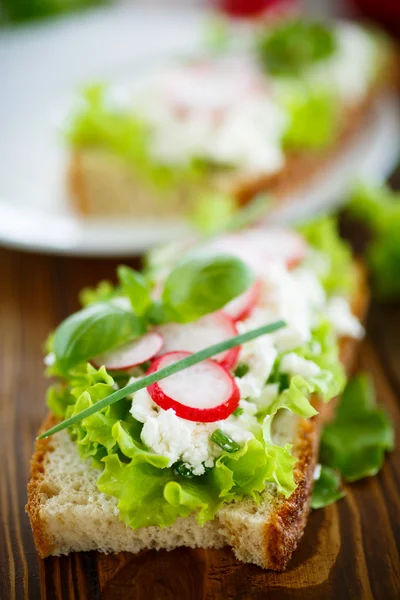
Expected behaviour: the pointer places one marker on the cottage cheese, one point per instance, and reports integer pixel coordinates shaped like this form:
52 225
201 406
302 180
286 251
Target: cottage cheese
181 440
293 364
220 110
341 317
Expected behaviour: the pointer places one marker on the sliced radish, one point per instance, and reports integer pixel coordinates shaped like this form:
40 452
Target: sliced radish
209 330
205 392
239 308
259 246
131 354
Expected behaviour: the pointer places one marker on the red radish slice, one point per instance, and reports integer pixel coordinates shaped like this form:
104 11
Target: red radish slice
239 308
131 354
260 246
205 392
209 330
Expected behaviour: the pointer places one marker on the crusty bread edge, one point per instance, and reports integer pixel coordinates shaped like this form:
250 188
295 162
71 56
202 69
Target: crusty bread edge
283 531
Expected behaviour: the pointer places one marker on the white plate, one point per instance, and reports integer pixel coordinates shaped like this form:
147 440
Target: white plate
41 67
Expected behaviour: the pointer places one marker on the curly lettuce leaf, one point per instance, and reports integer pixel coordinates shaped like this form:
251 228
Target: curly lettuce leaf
356 441
149 495
281 464
379 208
337 274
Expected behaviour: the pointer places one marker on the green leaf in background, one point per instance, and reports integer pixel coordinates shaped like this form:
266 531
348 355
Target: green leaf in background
294 45
379 208
93 330
313 118
103 292
356 441
25 10
327 488
203 284
337 273
212 211
136 288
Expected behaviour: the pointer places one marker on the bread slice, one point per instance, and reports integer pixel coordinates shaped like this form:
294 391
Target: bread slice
68 513
101 184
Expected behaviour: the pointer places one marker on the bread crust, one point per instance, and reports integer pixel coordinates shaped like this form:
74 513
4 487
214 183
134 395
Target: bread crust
283 529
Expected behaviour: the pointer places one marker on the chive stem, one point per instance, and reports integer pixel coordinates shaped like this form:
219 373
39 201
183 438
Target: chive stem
186 362
224 441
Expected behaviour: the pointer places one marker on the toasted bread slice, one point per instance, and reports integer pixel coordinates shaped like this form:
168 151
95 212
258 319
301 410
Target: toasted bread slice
68 513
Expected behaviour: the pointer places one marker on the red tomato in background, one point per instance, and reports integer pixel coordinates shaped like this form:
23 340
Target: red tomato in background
254 8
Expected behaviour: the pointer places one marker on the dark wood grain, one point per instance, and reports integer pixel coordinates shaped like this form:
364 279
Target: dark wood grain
349 550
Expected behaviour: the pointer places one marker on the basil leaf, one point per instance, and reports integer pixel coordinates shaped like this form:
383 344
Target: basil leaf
295 45
135 286
356 441
93 330
203 284
327 488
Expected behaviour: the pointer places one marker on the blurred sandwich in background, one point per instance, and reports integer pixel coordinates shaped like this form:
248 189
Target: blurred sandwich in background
264 119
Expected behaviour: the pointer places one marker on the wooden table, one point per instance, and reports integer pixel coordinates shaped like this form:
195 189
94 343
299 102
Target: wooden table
349 550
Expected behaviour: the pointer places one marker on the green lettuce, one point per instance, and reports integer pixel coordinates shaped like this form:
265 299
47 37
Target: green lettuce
356 441
337 274
313 115
149 494
379 208
125 135
327 488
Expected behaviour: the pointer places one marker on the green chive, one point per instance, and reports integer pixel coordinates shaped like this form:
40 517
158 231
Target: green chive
181 469
241 370
224 441
239 411
144 382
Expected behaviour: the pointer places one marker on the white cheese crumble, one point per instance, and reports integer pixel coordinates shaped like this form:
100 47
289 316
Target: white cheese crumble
342 319
293 364
317 472
180 440
221 110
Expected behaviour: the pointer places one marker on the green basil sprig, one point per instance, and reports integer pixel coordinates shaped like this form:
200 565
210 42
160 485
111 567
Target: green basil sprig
136 288
201 285
95 329
196 287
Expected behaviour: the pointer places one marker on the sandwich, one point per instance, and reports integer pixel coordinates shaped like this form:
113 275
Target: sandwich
217 130
149 452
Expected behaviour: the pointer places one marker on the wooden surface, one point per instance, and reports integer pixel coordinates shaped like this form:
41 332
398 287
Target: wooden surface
349 550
